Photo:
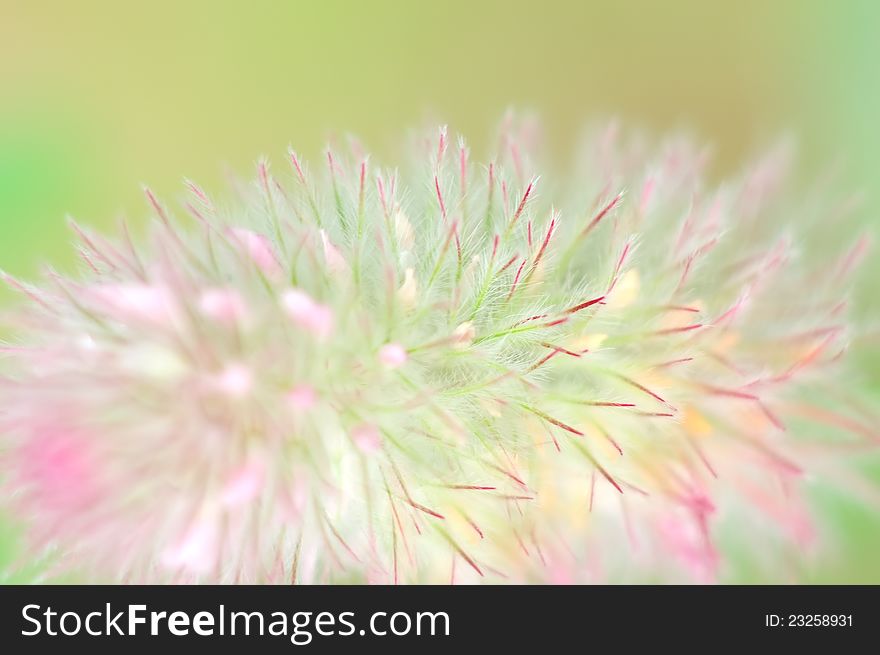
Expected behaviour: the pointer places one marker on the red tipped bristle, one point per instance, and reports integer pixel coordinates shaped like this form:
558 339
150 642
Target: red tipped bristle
467 558
339 538
157 206
197 191
622 259
641 388
554 421
516 279
685 231
544 244
331 164
613 442
510 475
702 456
133 256
551 346
602 213
553 439
441 144
362 184
605 474
584 305
536 317
522 203
731 393
426 510
673 362
475 527
84 255
380 186
440 197
195 213
543 360
508 264
680 308
676 330
522 545
730 313
399 524
263 172
811 356
21 288
294 159
472 487
451 234
91 245
771 416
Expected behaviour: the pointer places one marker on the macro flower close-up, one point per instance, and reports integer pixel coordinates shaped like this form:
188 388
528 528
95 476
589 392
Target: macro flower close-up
416 326
453 371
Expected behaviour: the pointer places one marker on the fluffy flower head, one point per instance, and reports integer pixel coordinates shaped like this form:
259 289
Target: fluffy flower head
452 372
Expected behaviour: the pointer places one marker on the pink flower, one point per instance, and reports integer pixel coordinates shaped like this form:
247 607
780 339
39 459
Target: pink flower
367 439
183 414
244 484
308 314
259 249
150 303
58 469
223 305
302 398
235 380
392 355
333 258
196 551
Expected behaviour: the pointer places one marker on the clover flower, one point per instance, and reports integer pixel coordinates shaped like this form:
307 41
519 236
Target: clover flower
450 372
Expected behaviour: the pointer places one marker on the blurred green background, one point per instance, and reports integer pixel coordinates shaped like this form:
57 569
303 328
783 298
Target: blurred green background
97 98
